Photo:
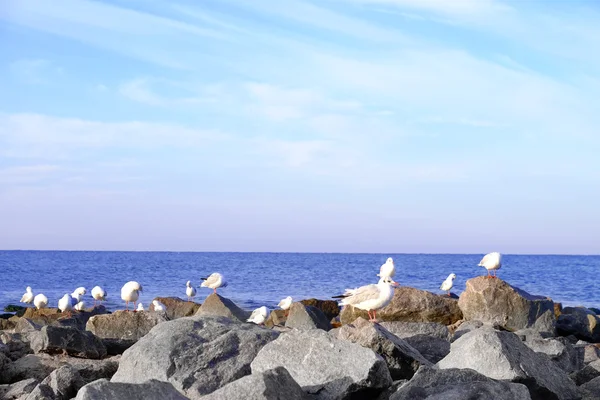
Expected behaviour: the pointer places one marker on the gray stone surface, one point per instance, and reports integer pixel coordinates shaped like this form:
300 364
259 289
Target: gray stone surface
326 367
269 385
306 317
124 325
196 354
18 390
503 356
408 329
566 356
591 389
586 374
217 305
62 384
465 327
401 358
72 341
580 322
176 307
432 348
148 390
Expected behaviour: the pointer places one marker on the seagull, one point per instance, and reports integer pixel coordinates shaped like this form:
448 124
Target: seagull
80 306
491 261
78 293
28 296
140 307
387 270
285 304
130 292
259 316
190 291
65 304
214 281
370 297
40 301
98 294
448 283
158 306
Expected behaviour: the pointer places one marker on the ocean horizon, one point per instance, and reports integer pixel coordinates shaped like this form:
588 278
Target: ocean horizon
263 278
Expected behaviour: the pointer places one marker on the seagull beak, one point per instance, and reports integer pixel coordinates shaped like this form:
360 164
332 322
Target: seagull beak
395 284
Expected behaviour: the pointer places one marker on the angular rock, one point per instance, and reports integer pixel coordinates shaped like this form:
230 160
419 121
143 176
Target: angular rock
465 327
458 384
410 304
561 352
501 355
306 317
589 372
276 318
18 390
7 324
220 306
580 322
408 329
61 340
15 345
149 390
196 354
401 358
325 367
591 352
592 388
272 384
92 370
53 316
557 310
330 308
25 325
176 307
495 302
61 384
37 366
432 348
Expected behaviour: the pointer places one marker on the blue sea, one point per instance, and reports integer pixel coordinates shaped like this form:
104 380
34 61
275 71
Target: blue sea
257 279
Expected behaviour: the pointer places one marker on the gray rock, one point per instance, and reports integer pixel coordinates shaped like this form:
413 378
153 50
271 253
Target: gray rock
18 390
61 340
330 308
176 307
92 370
306 317
495 302
589 372
466 327
458 384
276 318
401 358
566 356
592 389
37 366
580 322
272 384
432 348
385 395
502 356
591 352
325 367
15 346
25 325
196 354
148 390
220 306
61 384
408 329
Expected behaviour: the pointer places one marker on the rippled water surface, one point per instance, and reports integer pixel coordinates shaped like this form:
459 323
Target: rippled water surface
264 278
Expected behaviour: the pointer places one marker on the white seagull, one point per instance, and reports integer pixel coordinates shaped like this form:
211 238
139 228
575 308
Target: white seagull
28 296
65 304
80 306
190 291
285 304
140 307
259 316
78 293
491 262
40 301
370 297
130 292
448 283
158 306
387 270
214 281
98 294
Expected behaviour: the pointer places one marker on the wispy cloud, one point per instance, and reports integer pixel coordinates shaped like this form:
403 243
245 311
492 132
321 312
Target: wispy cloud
35 71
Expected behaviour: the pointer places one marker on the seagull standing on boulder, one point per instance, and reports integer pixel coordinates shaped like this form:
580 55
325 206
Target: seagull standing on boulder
158 306
259 316
370 297
214 281
28 296
40 301
190 291
491 262
285 304
130 292
387 270
98 294
65 304
448 283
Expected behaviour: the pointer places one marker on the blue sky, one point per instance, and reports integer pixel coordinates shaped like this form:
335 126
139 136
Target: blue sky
300 125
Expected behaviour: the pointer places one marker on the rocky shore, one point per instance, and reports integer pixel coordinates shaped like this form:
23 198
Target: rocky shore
494 341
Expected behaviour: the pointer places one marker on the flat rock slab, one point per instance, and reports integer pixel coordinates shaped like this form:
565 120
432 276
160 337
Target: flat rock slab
411 305
148 390
197 355
495 302
326 367
217 305
502 355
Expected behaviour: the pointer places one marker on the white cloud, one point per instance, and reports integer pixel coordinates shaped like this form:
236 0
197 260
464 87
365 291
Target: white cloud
35 71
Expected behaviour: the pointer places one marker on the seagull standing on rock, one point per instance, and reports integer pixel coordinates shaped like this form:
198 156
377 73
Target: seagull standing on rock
130 292
140 307
259 316
98 294
387 270
214 281
65 304
370 297
491 262
158 306
448 283
285 304
190 291
28 296
40 301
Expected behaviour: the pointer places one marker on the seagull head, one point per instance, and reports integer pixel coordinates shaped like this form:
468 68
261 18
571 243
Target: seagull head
452 276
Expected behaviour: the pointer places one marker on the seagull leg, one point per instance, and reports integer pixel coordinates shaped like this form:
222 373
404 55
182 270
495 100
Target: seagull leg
375 316
134 307
495 274
448 293
215 290
126 306
489 275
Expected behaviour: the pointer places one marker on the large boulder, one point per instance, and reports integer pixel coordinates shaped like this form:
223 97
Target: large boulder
65 340
432 348
148 390
580 322
61 384
330 308
326 367
586 374
220 306
15 345
306 317
276 318
591 389
176 307
410 304
37 366
18 390
409 329
458 384
401 358
272 384
495 302
502 355
196 354
53 316
566 356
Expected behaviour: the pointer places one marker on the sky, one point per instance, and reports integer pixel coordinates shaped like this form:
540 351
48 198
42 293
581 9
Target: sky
392 126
